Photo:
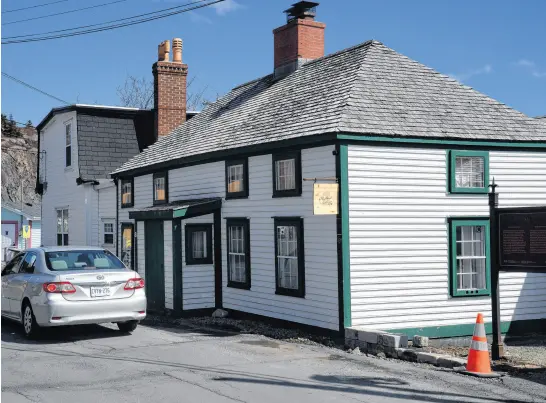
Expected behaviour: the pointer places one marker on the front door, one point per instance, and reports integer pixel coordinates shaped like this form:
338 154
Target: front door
155 271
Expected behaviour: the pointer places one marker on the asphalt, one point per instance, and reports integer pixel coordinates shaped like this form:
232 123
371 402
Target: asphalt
185 364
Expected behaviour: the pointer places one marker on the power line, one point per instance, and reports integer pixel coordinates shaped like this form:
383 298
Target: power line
36 6
33 88
64 12
115 26
106 22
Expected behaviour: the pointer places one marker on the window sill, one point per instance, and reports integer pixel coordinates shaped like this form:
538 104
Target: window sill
290 293
479 191
236 196
290 194
471 293
127 205
199 263
159 202
241 286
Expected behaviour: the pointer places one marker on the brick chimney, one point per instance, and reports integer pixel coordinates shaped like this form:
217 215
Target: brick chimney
301 39
169 88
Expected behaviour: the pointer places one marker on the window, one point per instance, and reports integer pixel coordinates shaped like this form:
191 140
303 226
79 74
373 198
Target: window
237 178
287 174
62 227
13 266
289 256
127 193
127 242
82 260
468 172
238 250
28 263
198 244
160 188
469 255
68 151
108 233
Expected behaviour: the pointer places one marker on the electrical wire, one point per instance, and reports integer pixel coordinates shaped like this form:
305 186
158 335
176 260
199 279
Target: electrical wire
34 88
36 6
115 26
104 23
63 12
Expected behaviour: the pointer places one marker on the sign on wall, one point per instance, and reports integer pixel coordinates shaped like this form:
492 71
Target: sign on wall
325 197
522 239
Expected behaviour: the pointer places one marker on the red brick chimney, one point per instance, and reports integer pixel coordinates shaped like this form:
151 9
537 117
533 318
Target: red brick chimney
300 40
169 88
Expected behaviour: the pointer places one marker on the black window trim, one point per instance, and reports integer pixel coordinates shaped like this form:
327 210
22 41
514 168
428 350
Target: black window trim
163 174
298 223
244 193
125 225
132 202
189 229
284 155
245 223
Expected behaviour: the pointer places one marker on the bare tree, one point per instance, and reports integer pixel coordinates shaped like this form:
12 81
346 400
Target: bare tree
139 93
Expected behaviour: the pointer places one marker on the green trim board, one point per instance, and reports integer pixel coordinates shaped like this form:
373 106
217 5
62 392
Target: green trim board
345 235
452 171
539 146
455 223
179 209
507 327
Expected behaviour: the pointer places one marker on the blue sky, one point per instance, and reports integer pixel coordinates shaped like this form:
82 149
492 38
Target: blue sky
496 46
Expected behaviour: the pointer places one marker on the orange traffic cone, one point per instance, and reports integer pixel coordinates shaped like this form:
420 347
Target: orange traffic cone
478 363
478 356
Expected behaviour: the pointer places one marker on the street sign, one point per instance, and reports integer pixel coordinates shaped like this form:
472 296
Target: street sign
522 239
26 231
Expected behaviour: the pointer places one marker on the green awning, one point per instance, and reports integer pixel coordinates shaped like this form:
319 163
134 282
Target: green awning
179 209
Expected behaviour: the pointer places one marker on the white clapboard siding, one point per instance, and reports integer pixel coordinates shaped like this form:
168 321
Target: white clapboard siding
320 305
197 181
36 234
106 195
62 190
168 263
197 280
141 249
398 209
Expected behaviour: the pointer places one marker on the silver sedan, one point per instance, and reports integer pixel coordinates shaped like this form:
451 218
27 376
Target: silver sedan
44 287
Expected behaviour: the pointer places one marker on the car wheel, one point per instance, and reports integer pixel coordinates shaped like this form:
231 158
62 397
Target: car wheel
127 327
30 326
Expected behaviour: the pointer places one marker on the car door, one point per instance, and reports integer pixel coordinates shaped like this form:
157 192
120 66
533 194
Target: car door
11 269
18 283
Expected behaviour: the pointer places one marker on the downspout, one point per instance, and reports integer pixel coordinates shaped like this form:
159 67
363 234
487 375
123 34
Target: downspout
118 230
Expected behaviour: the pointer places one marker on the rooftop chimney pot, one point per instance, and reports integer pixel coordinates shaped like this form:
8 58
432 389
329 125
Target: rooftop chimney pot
163 50
177 50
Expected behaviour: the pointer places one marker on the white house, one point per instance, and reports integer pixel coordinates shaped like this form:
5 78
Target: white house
223 205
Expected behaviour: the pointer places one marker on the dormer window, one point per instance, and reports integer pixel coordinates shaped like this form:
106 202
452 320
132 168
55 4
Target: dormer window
160 188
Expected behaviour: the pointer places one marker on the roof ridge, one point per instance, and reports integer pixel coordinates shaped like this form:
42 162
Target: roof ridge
339 52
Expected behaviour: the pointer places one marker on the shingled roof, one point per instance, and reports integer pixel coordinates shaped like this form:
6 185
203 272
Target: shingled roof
368 89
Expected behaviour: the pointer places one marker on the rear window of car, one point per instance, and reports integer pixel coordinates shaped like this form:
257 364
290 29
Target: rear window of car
82 260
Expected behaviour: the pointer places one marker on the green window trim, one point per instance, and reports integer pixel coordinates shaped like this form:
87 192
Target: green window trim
451 177
454 223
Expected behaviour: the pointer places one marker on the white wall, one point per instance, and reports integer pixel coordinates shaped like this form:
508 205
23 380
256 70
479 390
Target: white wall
62 190
320 305
106 208
197 280
398 209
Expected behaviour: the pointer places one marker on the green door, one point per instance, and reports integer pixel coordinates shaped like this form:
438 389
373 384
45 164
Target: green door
155 269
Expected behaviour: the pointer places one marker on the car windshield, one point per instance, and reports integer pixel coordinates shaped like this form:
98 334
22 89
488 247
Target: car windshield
82 260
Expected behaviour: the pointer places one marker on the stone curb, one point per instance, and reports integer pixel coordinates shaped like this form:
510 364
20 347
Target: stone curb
438 360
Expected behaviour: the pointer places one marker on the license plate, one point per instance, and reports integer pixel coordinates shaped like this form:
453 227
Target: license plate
100 291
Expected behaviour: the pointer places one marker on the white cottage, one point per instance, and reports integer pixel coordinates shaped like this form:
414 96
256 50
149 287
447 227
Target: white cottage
224 215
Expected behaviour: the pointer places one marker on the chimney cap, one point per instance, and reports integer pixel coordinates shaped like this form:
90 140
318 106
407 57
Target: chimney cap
301 10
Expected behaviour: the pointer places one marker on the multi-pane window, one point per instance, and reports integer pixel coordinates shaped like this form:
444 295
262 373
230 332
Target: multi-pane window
289 257
108 233
469 257
468 172
127 241
238 252
127 193
68 149
237 178
62 227
198 244
287 174
160 188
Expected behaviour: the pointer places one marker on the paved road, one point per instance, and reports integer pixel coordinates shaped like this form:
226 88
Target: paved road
98 364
